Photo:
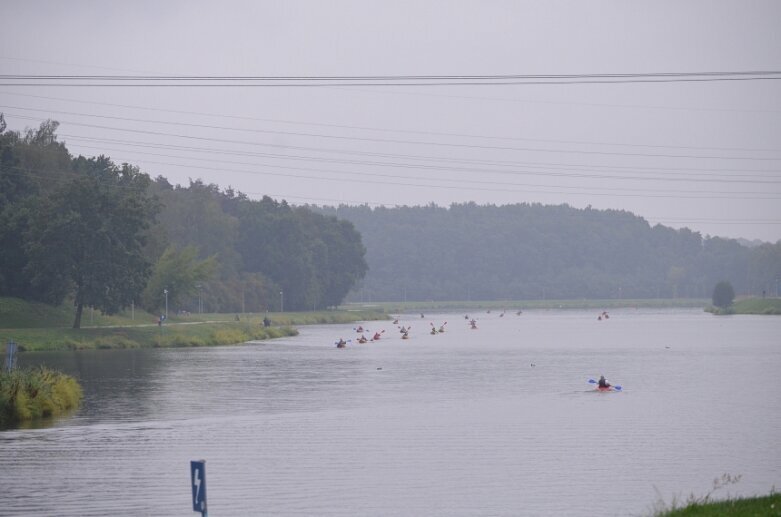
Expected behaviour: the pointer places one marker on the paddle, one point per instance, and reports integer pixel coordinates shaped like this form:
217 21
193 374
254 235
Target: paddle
617 388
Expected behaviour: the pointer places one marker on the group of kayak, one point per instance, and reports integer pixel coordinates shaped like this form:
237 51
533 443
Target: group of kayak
403 330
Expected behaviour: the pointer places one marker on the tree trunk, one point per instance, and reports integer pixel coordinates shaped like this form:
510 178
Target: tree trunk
77 321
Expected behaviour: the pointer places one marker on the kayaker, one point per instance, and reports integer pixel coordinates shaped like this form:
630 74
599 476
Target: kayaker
602 382
376 336
341 343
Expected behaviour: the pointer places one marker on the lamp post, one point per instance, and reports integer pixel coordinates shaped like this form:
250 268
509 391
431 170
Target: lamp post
200 305
281 301
165 292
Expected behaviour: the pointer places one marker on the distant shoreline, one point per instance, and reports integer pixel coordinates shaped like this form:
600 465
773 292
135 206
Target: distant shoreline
515 305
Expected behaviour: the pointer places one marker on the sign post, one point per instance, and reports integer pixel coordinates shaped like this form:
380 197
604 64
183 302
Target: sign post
198 483
10 356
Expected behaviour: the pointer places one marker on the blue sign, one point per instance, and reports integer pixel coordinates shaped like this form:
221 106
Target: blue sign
10 357
198 482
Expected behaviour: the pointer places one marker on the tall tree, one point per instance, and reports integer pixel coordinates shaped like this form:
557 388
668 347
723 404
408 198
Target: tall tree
87 238
178 272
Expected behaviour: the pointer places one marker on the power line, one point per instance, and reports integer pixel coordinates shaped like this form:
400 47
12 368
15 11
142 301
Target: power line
458 170
363 139
380 80
675 171
398 84
413 142
393 77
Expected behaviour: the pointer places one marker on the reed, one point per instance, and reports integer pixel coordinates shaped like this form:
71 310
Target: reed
34 393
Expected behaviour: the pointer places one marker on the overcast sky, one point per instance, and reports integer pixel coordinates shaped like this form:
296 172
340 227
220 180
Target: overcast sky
706 155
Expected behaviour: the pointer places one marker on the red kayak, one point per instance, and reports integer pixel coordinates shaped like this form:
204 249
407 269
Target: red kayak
606 388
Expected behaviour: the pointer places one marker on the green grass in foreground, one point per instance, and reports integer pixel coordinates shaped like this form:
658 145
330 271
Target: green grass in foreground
765 506
29 394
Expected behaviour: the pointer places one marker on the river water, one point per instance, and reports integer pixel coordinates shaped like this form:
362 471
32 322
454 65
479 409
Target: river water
494 421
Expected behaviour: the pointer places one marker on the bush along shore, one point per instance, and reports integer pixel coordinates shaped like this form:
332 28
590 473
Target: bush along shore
30 394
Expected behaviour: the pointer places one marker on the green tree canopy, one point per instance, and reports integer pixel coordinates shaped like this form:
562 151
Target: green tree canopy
87 236
179 272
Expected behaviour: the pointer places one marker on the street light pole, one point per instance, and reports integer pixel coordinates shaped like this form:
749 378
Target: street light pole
200 306
165 292
281 302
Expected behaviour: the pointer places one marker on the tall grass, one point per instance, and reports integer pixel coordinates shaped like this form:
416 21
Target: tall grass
29 394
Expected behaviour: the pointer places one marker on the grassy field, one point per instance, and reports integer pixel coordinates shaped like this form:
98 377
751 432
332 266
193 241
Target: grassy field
761 306
765 506
39 327
758 306
514 305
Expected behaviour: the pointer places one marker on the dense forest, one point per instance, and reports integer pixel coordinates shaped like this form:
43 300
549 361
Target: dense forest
108 236
533 251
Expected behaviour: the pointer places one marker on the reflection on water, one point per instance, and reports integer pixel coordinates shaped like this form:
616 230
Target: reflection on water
498 421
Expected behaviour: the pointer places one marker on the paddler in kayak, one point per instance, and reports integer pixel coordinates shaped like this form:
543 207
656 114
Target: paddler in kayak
362 339
603 382
341 343
376 336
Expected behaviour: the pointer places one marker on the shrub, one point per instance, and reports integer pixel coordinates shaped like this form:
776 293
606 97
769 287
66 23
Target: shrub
27 394
723 295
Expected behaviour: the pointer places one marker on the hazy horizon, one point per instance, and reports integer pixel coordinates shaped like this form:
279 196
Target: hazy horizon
702 155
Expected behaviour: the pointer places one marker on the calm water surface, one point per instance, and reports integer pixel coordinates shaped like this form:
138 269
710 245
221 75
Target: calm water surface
494 421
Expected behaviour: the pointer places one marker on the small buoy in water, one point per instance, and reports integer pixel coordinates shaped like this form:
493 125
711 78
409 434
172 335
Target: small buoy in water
379 368
533 365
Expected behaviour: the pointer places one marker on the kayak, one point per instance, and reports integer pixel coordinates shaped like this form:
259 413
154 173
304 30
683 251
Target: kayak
606 388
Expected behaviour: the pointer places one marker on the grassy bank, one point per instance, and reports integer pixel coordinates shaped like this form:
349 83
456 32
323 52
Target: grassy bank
766 506
17 314
761 306
39 327
29 394
510 305
169 335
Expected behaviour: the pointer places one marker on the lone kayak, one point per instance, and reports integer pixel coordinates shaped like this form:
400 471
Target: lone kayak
609 387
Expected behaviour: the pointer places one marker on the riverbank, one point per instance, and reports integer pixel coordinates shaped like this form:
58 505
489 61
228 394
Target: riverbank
38 327
760 306
29 394
769 505
515 305
150 336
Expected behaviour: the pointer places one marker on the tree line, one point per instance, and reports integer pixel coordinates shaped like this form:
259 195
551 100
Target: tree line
108 236
533 251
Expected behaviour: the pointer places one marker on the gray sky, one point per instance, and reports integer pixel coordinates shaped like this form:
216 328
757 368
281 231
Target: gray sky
706 155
